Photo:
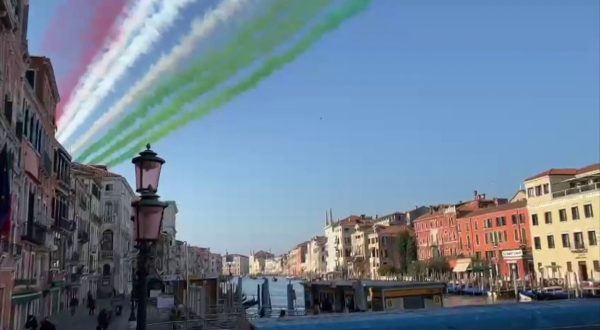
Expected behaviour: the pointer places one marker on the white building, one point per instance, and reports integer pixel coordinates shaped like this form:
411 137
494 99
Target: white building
236 265
116 243
339 241
316 256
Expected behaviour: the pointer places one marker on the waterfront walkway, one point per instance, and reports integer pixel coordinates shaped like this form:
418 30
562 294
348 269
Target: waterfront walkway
82 321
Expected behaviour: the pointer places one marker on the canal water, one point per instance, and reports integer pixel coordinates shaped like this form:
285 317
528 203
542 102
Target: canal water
278 291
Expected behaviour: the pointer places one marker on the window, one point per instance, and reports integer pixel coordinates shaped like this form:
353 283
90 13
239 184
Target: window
538 243
548 217
475 225
575 213
550 241
109 187
562 215
588 211
514 219
503 221
569 266
487 240
596 265
546 188
592 238
538 190
534 219
516 235
477 239
579 240
530 192
523 236
505 236
565 240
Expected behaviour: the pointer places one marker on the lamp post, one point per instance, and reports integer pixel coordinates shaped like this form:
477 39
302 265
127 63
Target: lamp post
148 217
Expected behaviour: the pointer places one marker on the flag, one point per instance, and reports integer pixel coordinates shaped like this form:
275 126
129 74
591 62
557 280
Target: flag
5 198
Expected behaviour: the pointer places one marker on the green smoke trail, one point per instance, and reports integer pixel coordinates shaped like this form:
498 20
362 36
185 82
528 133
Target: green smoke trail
266 42
332 22
205 68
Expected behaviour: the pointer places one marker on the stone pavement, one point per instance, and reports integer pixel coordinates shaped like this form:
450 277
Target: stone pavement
82 321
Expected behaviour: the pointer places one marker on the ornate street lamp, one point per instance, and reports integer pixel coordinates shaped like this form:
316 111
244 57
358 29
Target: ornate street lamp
147 171
148 216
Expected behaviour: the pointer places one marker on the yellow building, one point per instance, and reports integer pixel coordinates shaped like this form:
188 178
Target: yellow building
564 210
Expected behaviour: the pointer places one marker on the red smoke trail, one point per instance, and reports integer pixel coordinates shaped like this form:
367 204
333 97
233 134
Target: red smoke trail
97 30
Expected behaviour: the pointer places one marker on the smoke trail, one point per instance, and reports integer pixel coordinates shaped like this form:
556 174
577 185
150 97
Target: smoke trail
213 61
333 21
104 16
247 50
140 45
201 29
133 20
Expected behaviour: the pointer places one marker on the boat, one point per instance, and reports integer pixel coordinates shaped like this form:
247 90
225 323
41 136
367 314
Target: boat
524 298
546 293
474 291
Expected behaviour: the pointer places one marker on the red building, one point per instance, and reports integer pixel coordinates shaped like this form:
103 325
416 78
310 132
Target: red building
499 235
437 232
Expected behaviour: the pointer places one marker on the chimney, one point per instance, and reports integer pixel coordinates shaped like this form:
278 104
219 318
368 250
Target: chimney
475 194
362 216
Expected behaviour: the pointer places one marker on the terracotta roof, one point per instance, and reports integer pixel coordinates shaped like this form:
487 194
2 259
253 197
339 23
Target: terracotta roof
354 220
502 207
589 168
93 170
554 171
394 230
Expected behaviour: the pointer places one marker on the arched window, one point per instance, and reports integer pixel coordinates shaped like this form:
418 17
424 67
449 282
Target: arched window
106 270
107 241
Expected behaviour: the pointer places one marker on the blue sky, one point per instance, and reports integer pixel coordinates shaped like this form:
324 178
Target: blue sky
410 103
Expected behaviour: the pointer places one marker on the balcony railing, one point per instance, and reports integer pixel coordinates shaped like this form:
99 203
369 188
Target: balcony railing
106 254
35 233
579 248
66 224
25 281
576 190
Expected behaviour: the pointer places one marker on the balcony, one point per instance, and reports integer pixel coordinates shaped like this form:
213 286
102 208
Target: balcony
579 248
576 190
35 233
83 236
65 224
10 248
106 254
47 164
25 281
9 13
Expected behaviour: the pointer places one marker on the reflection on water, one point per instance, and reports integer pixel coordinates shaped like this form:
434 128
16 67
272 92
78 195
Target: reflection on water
279 300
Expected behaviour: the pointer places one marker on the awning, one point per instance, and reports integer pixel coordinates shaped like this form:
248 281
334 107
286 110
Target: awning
462 265
22 298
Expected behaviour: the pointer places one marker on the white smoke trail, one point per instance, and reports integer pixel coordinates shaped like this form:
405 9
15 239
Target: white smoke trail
140 45
134 18
201 29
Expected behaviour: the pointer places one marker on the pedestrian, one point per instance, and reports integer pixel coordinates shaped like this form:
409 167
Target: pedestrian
31 323
102 320
91 305
73 304
47 325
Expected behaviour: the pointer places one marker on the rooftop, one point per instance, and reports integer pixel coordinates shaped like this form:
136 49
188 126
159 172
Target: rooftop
499 208
566 171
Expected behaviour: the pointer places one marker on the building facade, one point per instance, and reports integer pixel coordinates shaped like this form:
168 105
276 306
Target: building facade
87 190
500 237
564 210
257 262
236 265
116 235
437 231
